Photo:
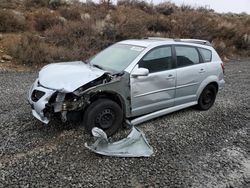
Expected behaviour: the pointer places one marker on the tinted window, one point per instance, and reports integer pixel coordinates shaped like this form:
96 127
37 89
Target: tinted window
158 59
206 54
186 56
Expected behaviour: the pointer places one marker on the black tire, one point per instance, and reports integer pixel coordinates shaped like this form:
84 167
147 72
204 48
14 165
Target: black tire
105 114
207 97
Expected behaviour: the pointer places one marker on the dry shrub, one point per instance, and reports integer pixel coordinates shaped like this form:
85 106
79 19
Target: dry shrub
70 33
76 31
79 37
192 25
36 3
205 9
242 41
242 38
96 12
32 50
225 30
45 19
166 8
10 41
54 4
159 24
189 8
186 8
11 21
220 46
138 4
129 23
70 13
10 4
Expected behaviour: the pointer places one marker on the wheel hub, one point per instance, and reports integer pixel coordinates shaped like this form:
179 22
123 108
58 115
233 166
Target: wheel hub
208 97
105 119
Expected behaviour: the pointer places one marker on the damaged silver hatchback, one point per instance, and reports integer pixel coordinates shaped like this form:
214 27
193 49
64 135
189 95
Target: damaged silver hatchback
131 81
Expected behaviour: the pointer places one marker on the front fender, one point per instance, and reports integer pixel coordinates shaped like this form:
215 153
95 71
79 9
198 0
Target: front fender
120 86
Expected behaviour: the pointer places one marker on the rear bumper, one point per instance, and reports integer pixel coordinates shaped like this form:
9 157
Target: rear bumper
221 84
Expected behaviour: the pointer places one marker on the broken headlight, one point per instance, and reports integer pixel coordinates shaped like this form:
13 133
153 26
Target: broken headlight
36 95
79 91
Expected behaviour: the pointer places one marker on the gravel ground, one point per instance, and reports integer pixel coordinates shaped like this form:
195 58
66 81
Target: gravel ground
191 148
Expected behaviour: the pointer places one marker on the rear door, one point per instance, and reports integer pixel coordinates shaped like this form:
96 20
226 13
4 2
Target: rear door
157 90
190 73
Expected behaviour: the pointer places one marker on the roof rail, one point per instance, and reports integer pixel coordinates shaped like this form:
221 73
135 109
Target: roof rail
196 41
157 38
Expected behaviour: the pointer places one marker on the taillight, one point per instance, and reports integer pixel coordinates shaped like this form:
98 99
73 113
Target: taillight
223 68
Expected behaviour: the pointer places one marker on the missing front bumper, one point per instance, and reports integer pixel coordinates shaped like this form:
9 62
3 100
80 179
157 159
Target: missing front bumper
42 119
135 145
38 103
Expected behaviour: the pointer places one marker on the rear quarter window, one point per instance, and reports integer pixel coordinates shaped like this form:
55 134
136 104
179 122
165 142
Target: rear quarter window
206 54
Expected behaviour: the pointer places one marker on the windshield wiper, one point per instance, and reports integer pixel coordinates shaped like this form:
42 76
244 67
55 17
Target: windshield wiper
98 66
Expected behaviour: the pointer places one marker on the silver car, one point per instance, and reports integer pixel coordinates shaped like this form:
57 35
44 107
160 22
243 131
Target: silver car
131 81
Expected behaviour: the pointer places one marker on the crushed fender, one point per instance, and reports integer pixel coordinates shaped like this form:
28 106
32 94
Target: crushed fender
135 145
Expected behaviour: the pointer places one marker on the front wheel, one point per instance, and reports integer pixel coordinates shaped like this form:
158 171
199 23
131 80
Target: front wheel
105 114
207 98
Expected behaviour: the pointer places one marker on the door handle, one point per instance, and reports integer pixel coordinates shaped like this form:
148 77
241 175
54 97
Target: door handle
170 76
202 70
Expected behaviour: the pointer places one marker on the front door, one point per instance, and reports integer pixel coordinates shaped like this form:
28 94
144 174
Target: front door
156 90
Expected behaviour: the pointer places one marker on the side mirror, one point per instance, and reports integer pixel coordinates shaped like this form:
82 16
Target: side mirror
140 72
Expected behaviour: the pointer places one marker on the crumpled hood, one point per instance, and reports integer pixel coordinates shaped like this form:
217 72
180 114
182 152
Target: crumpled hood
68 76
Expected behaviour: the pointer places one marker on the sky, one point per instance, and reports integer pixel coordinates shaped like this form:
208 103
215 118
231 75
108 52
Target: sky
222 6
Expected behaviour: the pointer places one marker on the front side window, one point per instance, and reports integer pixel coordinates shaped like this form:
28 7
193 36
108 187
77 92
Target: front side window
158 59
186 55
116 57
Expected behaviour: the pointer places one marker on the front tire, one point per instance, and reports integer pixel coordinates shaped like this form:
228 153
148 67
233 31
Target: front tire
207 97
105 114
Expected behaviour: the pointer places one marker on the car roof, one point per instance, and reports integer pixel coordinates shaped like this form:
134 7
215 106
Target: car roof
143 42
154 41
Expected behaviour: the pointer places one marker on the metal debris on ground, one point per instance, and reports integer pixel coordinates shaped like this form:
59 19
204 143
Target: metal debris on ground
135 145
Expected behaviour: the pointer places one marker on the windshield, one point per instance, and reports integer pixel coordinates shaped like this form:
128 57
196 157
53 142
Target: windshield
116 57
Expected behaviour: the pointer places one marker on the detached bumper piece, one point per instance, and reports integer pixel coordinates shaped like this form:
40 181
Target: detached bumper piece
135 145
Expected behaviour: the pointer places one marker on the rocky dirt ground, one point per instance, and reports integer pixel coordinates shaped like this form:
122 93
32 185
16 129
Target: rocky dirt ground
191 148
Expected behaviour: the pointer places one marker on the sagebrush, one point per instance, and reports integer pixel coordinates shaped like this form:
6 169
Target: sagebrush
57 31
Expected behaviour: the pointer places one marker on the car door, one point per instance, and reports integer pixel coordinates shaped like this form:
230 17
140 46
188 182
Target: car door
190 73
156 90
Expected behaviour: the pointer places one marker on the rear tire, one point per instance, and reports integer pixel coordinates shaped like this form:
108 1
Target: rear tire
105 114
207 97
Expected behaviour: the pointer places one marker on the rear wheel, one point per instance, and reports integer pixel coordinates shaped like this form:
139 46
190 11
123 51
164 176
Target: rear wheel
105 114
207 97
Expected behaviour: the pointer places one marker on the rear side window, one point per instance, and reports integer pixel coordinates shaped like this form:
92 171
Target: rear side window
206 54
186 55
159 59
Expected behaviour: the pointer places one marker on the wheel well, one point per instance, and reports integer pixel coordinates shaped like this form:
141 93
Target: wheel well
107 95
215 85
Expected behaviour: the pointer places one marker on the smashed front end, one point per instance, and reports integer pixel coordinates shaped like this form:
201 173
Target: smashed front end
46 103
53 93
38 98
64 90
